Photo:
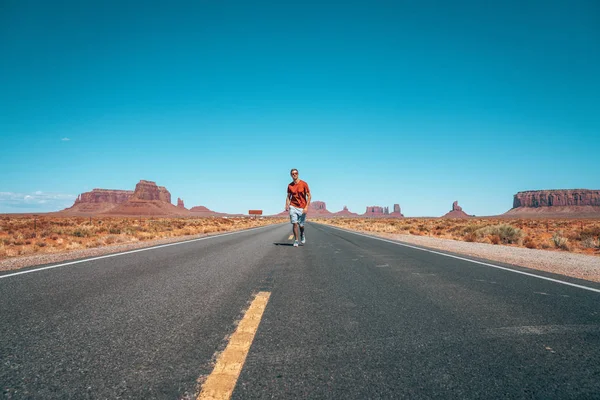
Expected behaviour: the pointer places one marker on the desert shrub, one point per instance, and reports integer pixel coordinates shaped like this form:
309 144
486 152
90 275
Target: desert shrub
145 236
113 230
131 230
73 246
46 233
470 237
41 244
94 243
82 231
506 233
510 234
590 243
11 252
110 239
467 229
593 232
423 228
24 251
560 241
495 239
530 243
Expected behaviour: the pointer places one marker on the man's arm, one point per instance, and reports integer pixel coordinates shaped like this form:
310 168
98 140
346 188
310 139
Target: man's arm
307 202
287 202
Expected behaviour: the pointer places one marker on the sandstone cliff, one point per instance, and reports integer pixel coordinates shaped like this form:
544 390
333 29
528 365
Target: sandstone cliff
562 202
396 212
552 198
148 190
97 201
318 208
148 199
376 211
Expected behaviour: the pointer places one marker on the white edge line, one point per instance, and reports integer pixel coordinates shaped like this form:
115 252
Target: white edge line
467 259
130 252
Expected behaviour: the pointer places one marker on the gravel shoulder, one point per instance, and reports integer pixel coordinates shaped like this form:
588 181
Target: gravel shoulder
579 266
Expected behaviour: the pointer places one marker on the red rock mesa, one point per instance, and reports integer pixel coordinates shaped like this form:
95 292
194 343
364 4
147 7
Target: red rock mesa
559 203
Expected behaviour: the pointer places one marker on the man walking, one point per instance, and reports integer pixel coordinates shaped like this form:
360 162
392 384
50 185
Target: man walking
297 201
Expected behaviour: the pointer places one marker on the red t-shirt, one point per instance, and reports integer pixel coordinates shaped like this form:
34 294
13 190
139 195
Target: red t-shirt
297 193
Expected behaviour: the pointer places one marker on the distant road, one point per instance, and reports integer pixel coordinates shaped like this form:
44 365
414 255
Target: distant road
349 317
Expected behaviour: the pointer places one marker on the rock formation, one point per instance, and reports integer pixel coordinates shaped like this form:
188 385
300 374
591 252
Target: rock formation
575 202
201 211
164 195
396 212
104 196
317 205
148 190
318 208
345 213
552 198
376 211
456 212
98 200
148 199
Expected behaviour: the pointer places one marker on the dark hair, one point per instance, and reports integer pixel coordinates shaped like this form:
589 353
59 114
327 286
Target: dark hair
294 169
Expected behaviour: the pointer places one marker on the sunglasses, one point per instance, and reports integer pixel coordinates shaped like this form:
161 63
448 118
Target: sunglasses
294 173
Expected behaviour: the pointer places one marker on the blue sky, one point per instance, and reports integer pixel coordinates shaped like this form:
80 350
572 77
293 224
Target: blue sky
376 103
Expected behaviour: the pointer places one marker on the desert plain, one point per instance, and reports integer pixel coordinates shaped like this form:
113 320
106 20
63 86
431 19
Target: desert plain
28 235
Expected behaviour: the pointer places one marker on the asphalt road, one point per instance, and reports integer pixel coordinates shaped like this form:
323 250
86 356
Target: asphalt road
349 317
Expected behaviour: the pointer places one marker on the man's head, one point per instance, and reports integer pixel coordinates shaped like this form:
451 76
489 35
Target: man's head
294 174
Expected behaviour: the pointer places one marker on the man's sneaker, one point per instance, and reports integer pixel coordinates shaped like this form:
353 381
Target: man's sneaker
295 243
302 239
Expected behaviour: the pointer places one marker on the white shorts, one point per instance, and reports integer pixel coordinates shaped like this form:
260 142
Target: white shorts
297 215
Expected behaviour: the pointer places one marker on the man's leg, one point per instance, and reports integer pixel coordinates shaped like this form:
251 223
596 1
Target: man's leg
294 222
301 224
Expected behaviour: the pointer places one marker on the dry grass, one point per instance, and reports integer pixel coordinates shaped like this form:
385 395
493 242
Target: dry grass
26 235
577 236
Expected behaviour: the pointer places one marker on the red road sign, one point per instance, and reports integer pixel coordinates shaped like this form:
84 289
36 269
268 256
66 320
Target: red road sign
255 212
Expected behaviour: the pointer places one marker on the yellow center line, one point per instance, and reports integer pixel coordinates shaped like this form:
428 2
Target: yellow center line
291 237
221 382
